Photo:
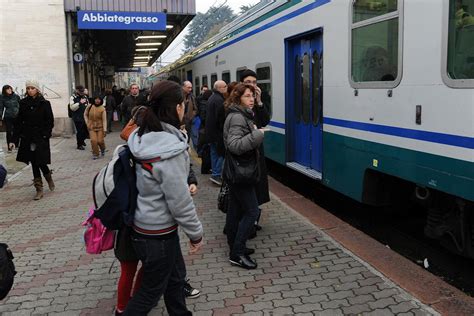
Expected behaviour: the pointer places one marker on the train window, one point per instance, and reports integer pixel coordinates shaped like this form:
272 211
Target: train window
226 76
197 86
296 101
264 81
204 80
213 79
316 97
238 72
376 44
368 9
460 40
306 89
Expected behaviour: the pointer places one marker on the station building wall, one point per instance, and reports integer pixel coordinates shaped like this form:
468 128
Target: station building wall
33 45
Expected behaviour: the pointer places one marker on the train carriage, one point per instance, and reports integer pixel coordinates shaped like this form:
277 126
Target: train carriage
374 98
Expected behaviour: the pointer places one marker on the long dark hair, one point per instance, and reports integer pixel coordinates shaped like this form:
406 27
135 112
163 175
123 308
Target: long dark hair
237 93
5 88
164 98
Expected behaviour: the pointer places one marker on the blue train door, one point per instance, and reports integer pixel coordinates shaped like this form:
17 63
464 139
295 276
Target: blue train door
304 103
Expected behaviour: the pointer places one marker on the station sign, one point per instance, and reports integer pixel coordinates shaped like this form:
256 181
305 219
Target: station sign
78 58
110 20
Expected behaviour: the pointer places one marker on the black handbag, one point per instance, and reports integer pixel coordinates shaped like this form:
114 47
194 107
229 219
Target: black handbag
243 169
223 197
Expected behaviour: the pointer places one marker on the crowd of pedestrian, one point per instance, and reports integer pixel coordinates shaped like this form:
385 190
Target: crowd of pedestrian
225 126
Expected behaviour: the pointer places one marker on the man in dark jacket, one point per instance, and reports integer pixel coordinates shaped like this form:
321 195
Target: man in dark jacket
110 107
215 118
261 119
78 103
130 101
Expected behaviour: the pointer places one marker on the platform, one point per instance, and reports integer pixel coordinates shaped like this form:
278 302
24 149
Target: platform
301 269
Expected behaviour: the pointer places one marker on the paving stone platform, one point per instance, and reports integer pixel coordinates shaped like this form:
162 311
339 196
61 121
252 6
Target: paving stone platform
300 271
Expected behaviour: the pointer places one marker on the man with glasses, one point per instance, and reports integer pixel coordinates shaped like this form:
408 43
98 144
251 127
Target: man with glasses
261 119
215 118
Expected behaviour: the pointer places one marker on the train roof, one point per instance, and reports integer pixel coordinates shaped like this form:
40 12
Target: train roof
258 13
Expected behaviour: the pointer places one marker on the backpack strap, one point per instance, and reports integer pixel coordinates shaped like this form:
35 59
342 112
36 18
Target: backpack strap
147 164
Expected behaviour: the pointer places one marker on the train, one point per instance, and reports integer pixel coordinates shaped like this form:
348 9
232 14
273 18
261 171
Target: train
373 98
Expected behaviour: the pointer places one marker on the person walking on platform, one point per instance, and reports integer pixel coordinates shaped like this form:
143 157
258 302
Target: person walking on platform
95 117
190 111
130 101
164 203
215 118
261 118
242 139
203 148
32 129
9 107
110 107
78 104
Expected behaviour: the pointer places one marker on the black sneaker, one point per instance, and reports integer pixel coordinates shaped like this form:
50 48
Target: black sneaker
243 261
189 291
216 179
80 147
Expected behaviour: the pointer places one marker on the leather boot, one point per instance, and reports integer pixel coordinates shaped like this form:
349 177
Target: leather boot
38 183
50 181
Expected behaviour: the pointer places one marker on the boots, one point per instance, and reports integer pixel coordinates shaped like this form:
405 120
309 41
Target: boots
38 183
50 181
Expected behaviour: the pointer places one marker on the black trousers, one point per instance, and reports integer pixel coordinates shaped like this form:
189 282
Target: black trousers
9 129
163 274
36 170
81 132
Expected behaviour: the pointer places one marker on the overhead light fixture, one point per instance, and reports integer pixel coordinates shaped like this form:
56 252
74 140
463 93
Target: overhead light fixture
145 49
168 27
150 36
149 44
140 65
142 57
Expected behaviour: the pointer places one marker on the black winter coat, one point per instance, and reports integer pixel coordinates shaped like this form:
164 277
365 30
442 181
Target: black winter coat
215 118
33 127
261 119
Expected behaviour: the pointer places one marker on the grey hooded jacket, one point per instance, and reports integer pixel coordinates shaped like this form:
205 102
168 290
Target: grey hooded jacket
163 195
240 134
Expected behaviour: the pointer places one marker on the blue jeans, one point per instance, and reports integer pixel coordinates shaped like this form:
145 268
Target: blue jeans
163 274
241 216
216 161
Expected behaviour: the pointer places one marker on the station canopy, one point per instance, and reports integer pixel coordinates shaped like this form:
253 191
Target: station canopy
127 33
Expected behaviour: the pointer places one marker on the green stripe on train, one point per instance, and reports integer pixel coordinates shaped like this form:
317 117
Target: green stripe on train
346 159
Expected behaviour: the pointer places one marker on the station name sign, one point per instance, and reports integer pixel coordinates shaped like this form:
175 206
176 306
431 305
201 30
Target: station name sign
110 20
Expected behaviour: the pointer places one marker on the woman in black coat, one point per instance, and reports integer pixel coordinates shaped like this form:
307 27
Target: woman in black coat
33 127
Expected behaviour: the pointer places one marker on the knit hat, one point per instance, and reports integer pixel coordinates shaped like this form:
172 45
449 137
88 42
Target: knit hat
33 83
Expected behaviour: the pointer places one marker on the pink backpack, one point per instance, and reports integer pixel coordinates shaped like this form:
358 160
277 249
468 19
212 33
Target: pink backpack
97 237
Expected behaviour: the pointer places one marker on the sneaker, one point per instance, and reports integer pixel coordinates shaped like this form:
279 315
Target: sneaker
189 291
80 147
216 179
243 261
95 157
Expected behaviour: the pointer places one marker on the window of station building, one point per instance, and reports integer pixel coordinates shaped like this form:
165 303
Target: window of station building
204 80
238 72
226 76
213 79
264 81
197 86
460 59
376 43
